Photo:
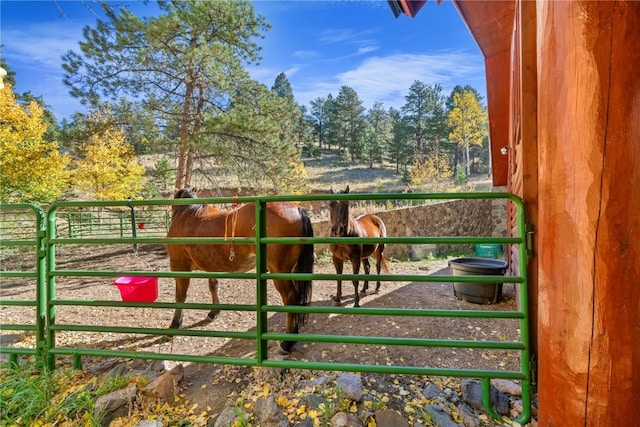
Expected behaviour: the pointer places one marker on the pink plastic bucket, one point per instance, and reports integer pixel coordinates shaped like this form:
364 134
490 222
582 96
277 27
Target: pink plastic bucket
137 288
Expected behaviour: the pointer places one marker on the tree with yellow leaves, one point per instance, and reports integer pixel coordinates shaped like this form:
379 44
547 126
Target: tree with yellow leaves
431 169
108 169
31 168
467 122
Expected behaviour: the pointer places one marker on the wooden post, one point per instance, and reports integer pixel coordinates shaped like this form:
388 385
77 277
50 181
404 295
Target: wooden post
589 212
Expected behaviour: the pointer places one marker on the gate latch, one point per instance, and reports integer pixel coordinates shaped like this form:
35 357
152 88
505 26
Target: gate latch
529 240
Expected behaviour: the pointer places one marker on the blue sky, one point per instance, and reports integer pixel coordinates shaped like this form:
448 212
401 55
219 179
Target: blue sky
320 45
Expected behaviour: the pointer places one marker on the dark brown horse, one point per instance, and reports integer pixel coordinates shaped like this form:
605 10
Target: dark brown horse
199 220
345 225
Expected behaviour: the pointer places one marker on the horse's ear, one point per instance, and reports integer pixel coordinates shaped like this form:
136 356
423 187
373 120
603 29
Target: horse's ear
346 190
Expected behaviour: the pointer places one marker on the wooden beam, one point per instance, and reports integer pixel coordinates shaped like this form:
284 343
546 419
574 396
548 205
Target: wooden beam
491 25
527 70
489 22
498 93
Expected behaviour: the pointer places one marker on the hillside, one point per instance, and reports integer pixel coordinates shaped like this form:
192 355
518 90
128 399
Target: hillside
330 171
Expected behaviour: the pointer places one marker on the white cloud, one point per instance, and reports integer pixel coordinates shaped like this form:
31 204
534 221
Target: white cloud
367 49
42 45
267 76
291 71
305 54
388 79
341 35
37 50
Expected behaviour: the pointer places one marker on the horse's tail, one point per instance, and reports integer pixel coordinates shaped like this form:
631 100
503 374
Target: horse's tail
305 265
383 233
385 264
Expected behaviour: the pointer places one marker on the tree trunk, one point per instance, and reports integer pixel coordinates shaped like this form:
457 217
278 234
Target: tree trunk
467 158
183 176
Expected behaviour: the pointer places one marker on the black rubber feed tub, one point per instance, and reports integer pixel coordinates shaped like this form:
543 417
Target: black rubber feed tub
478 293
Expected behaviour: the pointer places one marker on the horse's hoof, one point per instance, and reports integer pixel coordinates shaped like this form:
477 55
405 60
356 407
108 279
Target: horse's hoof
285 347
363 293
174 325
211 317
336 303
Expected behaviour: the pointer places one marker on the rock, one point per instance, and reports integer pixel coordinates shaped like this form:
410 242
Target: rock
508 387
114 405
432 391
9 339
469 418
149 423
268 413
351 386
118 370
342 419
226 417
157 367
308 422
367 416
390 418
313 401
472 394
439 416
103 366
165 386
167 365
516 409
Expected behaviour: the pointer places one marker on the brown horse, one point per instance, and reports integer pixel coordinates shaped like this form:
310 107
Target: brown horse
345 225
199 220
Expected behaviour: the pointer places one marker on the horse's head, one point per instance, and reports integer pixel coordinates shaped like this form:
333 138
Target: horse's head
339 213
186 193
346 190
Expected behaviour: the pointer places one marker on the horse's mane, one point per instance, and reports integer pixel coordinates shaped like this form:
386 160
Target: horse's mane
186 193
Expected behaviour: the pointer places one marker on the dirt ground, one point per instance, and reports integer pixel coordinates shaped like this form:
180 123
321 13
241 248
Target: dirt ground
210 385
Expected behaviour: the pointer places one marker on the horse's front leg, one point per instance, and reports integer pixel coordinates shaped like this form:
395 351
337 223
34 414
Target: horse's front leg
355 263
289 295
367 269
338 264
182 285
213 288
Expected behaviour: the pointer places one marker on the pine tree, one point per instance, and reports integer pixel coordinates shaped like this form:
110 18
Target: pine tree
183 70
378 134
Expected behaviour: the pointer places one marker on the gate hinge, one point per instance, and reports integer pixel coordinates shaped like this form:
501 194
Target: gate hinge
529 240
533 372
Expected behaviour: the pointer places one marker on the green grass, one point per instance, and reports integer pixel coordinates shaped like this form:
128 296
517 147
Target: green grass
25 395
30 396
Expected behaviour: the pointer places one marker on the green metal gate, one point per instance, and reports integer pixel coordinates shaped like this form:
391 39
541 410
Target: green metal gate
54 326
22 265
